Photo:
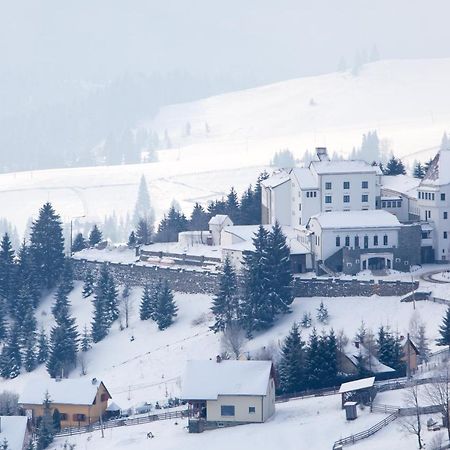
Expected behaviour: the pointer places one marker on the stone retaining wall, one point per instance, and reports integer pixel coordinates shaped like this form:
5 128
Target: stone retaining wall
203 282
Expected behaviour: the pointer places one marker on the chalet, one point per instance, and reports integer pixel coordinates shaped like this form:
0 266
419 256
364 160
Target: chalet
15 430
79 401
226 392
410 355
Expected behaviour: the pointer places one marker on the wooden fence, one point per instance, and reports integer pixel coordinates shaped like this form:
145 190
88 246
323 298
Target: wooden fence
123 422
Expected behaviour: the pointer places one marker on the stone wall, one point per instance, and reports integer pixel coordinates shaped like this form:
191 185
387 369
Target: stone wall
202 282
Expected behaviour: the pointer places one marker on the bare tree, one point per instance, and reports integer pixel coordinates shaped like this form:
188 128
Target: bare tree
126 303
413 423
438 393
9 403
341 341
233 339
437 443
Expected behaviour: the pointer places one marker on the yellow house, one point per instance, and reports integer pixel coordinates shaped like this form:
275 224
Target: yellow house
79 401
230 391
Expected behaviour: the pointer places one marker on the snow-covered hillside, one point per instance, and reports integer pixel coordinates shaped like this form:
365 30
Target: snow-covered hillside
406 101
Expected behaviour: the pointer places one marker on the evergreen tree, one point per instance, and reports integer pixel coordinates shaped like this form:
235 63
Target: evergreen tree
4 445
79 243
64 339
67 276
232 205
56 420
61 304
313 361
112 294
30 354
95 236
444 330
328 353
146 307
7 271
45 431
27 274
278 273
102 313
422 345
171 225
144 232
132 240
24 314
395 167
225 305
11 359
427 165
445 143
143 209
85 344
419 171
166 308
47 246
199 219
306 320
389 349
292 362
42 355
247 208
322 313
256 310
88 286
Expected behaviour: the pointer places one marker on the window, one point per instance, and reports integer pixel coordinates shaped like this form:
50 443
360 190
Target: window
432 196
315 194
307 194
375 241
251 410
383 204
346 184
338 241
445 215
389 204
385 239
104 397
346 198
299 206
366 241
443 197
227 410
399 203
356 241
347 241
328 185
79 418
63 416
364 198
327 198
365 185
445 235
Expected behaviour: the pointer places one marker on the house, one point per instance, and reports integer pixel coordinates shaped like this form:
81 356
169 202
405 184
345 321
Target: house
351 241
79 401
15 430
216 224
293 196
410 355
230 392
237 240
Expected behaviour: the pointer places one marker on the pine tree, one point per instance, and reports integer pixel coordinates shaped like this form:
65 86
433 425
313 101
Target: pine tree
4 445
313 361
292 361
166 308
422 345
146 307
395 167
232 205
225 305
88 286
45 431
24 314
7 271
27 274
95 236
47 246
199 219
67 276
444 330
132 240
11 359
42 355
389 349
79 243
56 420
306 321
419 171
246 209
30 354
112 294
61 304
445 143
85 344
64 339
101 322
256 311
322 313
279 273
143 209
144 232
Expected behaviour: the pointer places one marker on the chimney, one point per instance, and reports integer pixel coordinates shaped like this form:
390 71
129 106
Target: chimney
218 359
357 344
322 154
94 381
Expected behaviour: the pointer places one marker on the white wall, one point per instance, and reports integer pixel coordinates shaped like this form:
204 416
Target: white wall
241 405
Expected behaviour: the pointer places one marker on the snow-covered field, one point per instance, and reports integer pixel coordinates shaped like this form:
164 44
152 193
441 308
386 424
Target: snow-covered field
406 101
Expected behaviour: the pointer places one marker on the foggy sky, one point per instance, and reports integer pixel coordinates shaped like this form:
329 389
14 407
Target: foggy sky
259 39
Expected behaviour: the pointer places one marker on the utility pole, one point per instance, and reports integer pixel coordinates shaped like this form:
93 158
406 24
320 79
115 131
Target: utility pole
408 357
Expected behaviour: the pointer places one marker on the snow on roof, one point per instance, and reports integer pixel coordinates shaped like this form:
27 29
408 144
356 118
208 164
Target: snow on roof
206 380
356 385
369 361
331 167
113 407
276 179
218 219
305 178
402 184
80 391
438 173
356 219
13 429
247 232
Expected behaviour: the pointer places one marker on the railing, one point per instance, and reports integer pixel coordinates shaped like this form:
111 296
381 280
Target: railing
366 433
123 422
